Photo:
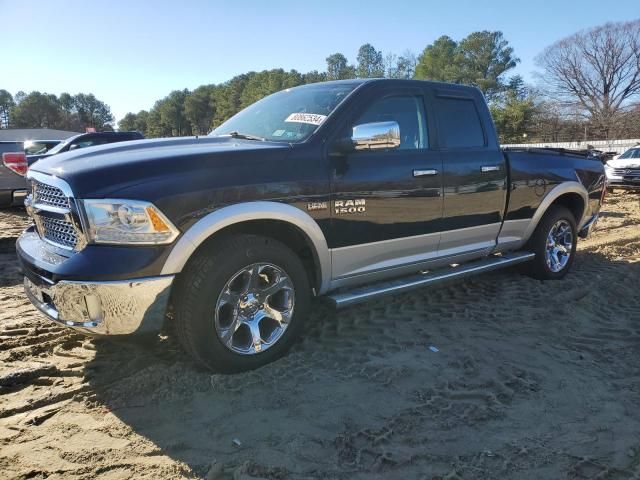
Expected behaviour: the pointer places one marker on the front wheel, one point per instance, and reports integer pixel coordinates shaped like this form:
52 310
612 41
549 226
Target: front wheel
240 303
554 242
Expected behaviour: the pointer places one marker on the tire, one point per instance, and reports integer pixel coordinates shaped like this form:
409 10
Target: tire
225 298
546 265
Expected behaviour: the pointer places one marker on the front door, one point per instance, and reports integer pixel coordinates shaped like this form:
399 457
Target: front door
387 204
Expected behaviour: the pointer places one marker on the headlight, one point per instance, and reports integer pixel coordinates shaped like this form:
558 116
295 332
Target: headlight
128 222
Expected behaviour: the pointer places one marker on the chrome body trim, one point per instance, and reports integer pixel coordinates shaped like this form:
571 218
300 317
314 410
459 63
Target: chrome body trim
345 299
425 173
104 308
490 168
19 195
50 180
244 212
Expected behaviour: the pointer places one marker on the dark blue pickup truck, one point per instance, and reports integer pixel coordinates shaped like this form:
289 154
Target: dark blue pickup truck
345 190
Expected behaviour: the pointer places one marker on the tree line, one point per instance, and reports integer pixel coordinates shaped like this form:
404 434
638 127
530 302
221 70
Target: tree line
588 87
45 110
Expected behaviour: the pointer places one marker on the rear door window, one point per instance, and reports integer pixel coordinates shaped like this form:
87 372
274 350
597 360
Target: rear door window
459 124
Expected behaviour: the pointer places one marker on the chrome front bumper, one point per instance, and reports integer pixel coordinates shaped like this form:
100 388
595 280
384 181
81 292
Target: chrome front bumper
104 308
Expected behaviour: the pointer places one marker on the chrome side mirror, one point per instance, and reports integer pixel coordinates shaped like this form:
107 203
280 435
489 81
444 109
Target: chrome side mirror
376 136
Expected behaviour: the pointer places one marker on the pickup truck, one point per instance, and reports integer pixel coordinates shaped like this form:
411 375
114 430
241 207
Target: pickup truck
84 140
346 190
13 168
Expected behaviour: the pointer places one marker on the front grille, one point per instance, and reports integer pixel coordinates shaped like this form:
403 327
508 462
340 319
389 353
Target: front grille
44 194
626 172
54 212
61 232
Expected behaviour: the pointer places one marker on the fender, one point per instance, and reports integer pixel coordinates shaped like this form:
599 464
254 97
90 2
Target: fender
243 212
552 196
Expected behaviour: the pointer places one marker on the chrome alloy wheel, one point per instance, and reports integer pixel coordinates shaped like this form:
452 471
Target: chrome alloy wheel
255 308
559 245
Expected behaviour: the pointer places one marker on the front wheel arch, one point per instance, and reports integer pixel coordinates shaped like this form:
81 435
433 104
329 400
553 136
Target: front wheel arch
241 216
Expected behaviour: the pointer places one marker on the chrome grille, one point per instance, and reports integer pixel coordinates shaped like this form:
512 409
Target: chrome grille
61 232
53 210
626 172
44 194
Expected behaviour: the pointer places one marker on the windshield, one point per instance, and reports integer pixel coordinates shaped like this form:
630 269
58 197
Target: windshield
632 153
62 144
291 115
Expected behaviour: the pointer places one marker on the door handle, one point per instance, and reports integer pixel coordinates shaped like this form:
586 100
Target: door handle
490 168
425 173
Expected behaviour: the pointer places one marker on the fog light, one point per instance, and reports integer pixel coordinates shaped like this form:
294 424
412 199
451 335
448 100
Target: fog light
94 308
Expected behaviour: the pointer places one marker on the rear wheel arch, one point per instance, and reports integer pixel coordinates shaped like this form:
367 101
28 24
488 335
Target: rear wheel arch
574 202
572 195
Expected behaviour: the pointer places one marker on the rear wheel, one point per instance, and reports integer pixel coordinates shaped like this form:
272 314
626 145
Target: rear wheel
554 242
240 303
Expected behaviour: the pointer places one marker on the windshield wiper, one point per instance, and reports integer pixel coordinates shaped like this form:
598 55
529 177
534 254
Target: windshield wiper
245 136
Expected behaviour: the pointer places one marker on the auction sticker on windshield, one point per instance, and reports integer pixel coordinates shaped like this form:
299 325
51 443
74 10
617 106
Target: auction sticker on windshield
311 118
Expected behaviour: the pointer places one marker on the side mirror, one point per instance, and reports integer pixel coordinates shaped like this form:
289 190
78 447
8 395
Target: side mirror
74 146
376 136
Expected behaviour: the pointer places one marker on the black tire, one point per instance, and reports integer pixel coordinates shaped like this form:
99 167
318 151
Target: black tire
538 267
201 283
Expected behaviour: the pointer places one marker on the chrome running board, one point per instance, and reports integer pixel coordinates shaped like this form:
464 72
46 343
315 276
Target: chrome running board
399 285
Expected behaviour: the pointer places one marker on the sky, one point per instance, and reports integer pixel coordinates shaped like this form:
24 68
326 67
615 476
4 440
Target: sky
132 53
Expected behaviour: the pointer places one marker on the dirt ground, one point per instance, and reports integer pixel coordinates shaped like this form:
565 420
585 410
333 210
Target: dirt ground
530 380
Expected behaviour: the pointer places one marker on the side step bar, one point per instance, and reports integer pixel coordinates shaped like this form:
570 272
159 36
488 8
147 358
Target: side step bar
368 292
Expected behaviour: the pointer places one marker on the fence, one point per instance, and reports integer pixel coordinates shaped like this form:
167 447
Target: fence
618 146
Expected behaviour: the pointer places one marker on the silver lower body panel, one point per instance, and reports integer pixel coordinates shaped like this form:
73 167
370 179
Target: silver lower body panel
104 308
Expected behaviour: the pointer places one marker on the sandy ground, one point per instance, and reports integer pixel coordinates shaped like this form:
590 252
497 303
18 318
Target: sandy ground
531 380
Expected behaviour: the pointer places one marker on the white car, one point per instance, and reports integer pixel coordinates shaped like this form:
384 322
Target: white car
624 171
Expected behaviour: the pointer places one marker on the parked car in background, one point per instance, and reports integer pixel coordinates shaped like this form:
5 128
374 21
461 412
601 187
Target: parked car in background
38 147
349 190
624 171
13 187
85 140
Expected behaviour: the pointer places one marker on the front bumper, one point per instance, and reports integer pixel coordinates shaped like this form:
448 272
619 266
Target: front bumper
12 198
71 289
103 308
631 181
627 185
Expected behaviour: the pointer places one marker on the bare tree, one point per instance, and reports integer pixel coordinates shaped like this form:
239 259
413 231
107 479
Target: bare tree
597 70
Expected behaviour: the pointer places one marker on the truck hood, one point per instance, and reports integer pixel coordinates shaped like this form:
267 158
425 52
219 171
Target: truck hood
31 159
98 171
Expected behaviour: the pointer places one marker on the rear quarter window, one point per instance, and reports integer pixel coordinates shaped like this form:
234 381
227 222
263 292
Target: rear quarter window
459 124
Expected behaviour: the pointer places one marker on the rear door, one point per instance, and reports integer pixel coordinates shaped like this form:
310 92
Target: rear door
387 204
474 173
